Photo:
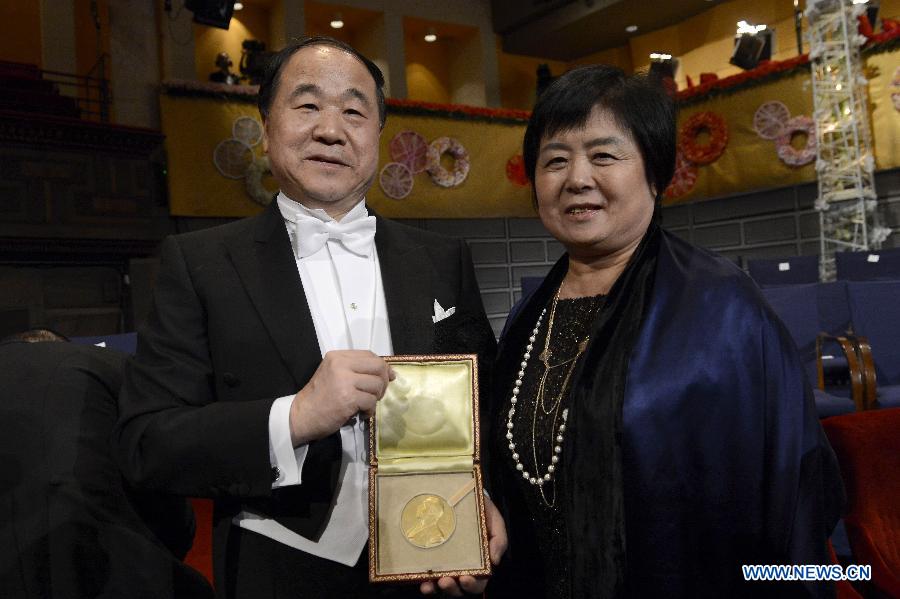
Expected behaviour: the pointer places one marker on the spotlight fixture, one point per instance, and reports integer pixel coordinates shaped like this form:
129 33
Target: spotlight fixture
430 35
238 6
337 22
752 43
631 28
663 65
215 13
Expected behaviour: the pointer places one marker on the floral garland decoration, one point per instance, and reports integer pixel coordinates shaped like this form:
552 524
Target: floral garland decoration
515 171
770 118
253 181
788 153
895 85
439 174
396 180
457 111
683 179
718 138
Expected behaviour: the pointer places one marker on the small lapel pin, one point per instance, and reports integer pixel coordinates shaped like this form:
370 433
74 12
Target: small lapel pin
440 313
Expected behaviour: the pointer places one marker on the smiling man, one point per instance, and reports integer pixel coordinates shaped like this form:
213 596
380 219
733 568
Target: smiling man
261 356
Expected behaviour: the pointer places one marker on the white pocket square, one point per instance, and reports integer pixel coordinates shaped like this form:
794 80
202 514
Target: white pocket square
440 314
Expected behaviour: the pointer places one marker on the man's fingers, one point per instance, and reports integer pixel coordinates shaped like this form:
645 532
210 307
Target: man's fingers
365 402
371 384
367 363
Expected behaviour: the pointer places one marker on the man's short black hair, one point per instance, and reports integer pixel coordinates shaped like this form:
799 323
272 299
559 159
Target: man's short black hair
271 78
638 103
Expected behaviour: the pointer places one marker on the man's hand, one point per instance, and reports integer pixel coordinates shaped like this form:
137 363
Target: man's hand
455 587
346 382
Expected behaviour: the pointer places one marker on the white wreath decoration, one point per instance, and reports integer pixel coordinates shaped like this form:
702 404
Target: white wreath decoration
253 182
438 173
788 153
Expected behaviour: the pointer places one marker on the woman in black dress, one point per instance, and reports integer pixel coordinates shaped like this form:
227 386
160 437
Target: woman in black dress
653 429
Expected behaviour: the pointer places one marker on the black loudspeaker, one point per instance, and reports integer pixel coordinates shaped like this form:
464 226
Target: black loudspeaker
544 79
216 13
747 51
664 69
872 13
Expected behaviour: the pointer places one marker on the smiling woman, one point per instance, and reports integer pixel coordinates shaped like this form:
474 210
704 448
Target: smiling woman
656 421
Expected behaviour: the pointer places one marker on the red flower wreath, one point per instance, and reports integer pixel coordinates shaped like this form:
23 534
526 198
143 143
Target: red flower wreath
718 138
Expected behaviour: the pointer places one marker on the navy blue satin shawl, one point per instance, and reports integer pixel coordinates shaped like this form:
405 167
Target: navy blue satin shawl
724 460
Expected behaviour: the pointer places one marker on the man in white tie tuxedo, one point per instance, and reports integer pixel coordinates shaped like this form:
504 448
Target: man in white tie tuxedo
260 358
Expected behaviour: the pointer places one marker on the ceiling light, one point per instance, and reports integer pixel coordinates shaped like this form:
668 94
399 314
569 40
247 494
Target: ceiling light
631 28
860 1
238 6
430 35
337 22
660 57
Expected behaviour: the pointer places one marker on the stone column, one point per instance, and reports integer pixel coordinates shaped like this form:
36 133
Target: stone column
177 39
134 57
396 54
58 37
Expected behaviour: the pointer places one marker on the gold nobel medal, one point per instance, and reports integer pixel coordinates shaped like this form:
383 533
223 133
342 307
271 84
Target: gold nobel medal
427 521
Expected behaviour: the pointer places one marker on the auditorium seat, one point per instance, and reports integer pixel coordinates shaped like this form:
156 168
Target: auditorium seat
880 265
807 311
23 89
796 270
867 446
200 555
875 313
124 342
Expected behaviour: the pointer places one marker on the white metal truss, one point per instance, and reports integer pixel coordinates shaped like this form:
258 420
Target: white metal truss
845 161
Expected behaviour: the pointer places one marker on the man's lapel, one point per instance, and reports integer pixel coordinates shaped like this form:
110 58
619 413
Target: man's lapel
408 280
268 270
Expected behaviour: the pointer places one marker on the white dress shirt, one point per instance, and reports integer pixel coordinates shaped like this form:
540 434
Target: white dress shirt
346 299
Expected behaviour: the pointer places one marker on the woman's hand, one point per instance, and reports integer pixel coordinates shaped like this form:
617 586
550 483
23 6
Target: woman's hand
497 541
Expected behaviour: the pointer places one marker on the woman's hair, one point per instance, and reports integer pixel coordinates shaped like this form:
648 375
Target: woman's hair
638 103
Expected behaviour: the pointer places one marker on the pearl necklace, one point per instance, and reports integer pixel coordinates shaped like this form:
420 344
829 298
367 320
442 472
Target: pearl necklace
557 449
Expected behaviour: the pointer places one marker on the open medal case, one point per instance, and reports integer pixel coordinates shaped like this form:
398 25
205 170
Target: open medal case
426 507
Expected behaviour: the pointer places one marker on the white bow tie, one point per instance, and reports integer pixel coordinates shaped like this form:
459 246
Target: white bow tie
357 235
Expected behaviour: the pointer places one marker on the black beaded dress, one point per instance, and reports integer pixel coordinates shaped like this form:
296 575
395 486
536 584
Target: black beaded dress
535 429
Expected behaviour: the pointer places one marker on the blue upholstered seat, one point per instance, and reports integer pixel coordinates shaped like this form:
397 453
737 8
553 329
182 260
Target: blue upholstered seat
875 311
796 270
807 310
877 265
124 342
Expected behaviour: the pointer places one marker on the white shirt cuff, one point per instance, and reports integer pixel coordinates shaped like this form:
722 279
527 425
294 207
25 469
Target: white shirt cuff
287 461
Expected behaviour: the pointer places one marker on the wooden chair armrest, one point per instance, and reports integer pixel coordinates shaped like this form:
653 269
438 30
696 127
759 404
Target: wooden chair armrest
857 380
864 351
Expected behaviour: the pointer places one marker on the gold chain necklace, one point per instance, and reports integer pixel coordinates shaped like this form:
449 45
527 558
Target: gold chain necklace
545 357
536 479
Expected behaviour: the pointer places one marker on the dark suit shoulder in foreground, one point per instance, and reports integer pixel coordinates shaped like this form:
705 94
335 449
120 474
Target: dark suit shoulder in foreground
70 528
